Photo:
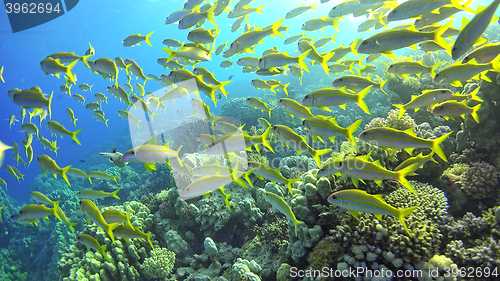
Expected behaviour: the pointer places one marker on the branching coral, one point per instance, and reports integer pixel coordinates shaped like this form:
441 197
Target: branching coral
392 121
159 264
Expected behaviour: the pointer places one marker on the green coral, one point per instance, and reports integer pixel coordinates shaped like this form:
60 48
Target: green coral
256 157
392 121
159 264
456 169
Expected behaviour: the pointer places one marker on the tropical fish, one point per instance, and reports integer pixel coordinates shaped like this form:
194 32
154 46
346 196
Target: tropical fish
54 66
261 84
177 16
64 218
129 232
33 99
274 60
320 126
279 203
237 141
419 159
203 36
471 30
136 39
294 108
237 24
58 129
305 45
357 82
79 98
414 8
52 145
454 108
12 120
458 72
102 176
135 69
411 67
106 67
291 139
96 194
256 103
71 115
29 128
299 10
296 71
77 173
93 214
320 23
292 39
236 13
49 165
100 117
1 74
407 140
360 168
112 216
427 98
394 39
32 212
325 97
41 198
91 243
85 87
13 171
356 201
264 171
353 7
193 18
273 82
149 154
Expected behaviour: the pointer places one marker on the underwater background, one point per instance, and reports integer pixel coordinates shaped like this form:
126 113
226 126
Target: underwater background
453 234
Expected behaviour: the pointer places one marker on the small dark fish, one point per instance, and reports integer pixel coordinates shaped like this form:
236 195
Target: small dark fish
219 96
82 160
230 77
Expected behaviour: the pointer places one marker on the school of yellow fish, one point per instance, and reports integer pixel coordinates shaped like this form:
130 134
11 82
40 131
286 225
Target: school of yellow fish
467 42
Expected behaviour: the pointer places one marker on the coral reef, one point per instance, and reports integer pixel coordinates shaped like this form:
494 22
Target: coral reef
159 264
480 180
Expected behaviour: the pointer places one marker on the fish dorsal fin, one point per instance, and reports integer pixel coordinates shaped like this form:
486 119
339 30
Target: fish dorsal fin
113 150
410 132
377 162
379 196
153 140
378 216
354 213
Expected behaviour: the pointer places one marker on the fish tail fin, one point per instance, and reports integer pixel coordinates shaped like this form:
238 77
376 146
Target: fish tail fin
301 58
74 134
289 184
213 119
211 15
147 38
171 54
350 131
402 213
264 141
70 74
436 146
353 47
473 95
84 60
148 236
284 90
226 199
273 107
463 7
106 122
74 122
63 174
247 177
128 220
438 35
401 177
296 222
433 68
222 87
324 60
110 228
137 123
317 154
103 251
474 112
115 192
382 85
49 105
258 9
312 6
71 224
54 211
360 99
402 109
275 28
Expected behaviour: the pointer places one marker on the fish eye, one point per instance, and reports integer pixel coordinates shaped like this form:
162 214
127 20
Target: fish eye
306 97
340 164
133 152
454 49
20 212
274 127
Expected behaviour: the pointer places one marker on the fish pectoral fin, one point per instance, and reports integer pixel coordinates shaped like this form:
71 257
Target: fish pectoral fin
378 182
150 167
354 213
409 150
259 177
355 181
